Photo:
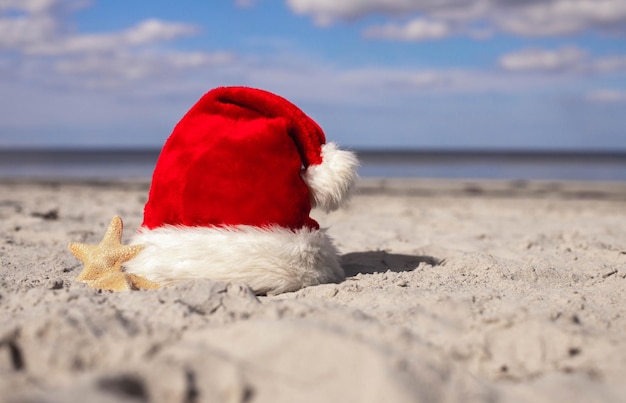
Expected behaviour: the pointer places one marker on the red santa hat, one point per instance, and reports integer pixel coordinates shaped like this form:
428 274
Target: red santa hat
232 193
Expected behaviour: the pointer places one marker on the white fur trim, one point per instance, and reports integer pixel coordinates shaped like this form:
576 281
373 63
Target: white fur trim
331 181
269 260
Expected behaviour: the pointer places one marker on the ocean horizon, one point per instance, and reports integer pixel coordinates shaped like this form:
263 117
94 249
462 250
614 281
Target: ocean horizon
431 164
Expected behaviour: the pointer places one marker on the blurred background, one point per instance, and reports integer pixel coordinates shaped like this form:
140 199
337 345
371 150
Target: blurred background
531 89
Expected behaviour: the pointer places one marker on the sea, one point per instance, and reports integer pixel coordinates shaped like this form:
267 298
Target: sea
110 164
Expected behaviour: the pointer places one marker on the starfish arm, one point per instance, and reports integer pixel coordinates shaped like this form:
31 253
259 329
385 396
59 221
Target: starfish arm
113 235
78 250
111 282
128 252
141 283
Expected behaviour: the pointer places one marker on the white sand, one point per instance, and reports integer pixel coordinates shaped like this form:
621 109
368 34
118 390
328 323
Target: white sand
458 292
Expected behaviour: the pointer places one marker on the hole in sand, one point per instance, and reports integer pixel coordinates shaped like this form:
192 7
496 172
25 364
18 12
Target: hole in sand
573 351
124 385
17 359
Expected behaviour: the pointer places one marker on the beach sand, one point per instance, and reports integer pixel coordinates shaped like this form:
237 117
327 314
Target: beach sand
457 291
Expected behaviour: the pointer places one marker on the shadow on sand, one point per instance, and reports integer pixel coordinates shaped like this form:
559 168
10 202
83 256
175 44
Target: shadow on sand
381 261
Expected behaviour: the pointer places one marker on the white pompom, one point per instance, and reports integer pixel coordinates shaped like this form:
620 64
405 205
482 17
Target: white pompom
331 181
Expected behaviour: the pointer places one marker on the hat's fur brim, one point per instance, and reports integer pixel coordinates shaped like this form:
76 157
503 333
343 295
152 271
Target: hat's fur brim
269 260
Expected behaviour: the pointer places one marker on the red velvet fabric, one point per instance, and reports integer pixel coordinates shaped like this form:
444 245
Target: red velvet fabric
235 158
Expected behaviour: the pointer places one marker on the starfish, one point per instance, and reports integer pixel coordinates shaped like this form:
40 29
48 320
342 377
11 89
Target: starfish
103 262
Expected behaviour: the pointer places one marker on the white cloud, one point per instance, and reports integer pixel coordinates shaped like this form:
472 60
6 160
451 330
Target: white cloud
534 59
607 96
31 22
389 80
326 12
566 59
48 51
561 17
19 32
34 21
134 66
31 6
610 64
524 18
245 3
415 30
39 27
330 85
146 32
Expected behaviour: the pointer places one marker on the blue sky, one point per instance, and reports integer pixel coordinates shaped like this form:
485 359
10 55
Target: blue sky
444 74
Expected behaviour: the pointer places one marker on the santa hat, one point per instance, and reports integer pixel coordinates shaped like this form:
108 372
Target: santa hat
232 192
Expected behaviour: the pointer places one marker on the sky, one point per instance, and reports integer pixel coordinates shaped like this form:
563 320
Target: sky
409 74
